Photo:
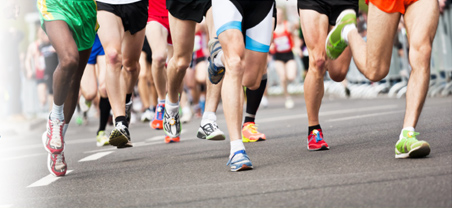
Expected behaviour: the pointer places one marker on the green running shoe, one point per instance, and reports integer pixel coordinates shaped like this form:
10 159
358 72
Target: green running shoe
335 44
409 147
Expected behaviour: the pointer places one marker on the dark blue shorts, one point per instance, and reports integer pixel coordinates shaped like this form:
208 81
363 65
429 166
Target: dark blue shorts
97 50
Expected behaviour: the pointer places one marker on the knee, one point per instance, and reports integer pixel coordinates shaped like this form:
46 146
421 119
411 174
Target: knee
131 65
90 95
317 65
113 56
235 66
181 63
159 59
69 61
377 70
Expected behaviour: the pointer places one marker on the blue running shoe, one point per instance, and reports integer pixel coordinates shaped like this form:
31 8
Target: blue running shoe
240 161
215 73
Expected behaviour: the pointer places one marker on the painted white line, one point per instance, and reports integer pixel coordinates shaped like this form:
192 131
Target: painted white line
95 156
22 156
100 150
327 113
364 116
6 205
47 180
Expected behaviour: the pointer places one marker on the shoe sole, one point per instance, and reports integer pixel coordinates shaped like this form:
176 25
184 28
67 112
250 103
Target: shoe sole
246 140
118 139
418 152
244 167
321 148
330 33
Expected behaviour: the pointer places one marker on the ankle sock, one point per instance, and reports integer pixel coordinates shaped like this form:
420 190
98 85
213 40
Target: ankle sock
311 128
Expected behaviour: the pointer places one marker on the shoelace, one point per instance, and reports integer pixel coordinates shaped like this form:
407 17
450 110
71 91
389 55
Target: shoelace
56 131
316 134
210 127
252 128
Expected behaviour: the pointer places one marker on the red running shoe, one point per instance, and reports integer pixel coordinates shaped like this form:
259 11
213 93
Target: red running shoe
171 139
53 140
316 142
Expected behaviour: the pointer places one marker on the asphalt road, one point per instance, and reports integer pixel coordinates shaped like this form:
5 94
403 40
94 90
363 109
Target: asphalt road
359 170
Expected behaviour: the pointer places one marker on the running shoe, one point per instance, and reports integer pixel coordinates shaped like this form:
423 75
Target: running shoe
335 43
147 115
128 111
409 147
250 133
56 164
157 122
215 73
240 161
186 115
102 139
54 141
120 136
171 124
210 131
169 139
289 104
316 142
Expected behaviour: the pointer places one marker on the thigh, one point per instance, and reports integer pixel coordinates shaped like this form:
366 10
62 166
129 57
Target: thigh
132 45
111 32
61 38
183 34
315 28
380 44
421 29
279 66
157 36
291 69
201 72
255 67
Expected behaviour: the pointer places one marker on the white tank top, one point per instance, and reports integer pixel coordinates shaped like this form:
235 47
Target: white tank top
118 1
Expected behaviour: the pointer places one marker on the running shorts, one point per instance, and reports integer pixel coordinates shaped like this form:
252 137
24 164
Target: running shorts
147 49
188 9
392 6
164 22
134 16
254 20
96 50
284 57
330 8
79 15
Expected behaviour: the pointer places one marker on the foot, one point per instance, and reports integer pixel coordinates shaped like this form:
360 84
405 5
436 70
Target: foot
210 131
157 122
215 73
54 141
250 133
335 43
186 115
240 161
102 139
147 115
171 123
169 139
316 142
56 164
409 147
120 136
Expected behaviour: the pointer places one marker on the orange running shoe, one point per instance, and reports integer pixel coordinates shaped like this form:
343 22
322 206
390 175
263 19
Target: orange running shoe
157 122
250 133
171 140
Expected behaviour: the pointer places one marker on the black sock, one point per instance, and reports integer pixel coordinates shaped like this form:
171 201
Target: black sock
253 99
104 106
311 128
121 119
128 97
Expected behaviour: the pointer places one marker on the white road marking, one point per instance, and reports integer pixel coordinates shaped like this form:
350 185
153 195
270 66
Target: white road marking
6 205
335 112
47 180
95 156
364 116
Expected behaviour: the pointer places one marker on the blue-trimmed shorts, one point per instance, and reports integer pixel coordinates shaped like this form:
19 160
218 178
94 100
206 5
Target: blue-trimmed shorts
253 19
97 50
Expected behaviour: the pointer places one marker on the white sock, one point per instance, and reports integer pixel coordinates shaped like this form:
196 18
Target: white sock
346 30
171 107
409 128
208 117
217 60
57 112
236 145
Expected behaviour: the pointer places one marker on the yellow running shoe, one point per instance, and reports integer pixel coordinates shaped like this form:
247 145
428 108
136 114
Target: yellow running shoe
250 133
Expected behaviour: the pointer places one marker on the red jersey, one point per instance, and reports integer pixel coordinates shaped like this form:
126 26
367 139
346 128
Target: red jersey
283 40
200 42
158 8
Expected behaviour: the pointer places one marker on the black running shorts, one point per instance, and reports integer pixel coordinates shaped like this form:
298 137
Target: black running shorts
134 16
284 57
330 8
188 9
